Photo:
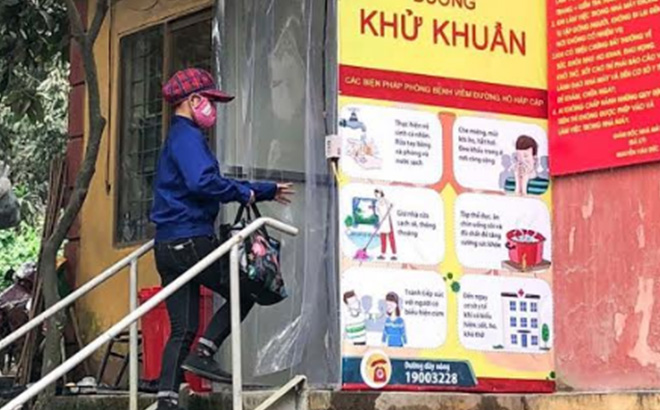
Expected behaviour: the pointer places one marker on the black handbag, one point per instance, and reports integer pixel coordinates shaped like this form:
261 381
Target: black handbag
259 259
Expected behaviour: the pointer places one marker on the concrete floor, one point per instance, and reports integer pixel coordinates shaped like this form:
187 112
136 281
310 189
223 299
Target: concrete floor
324 400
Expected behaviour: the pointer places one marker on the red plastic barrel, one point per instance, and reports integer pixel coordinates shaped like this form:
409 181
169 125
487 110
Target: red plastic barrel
156 330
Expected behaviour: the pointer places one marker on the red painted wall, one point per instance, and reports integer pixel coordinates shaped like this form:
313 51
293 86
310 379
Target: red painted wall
606 261
607 278
74 148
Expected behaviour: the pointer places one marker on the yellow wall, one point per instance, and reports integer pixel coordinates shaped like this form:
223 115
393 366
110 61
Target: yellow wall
107 304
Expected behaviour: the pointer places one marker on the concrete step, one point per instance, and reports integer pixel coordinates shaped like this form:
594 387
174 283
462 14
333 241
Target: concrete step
326 400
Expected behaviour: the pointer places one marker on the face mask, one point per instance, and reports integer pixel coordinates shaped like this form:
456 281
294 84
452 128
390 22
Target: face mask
204 113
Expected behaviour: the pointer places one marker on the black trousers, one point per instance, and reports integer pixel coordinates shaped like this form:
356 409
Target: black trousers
173 259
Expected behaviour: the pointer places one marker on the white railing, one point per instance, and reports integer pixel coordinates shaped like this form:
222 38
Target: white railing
130 260
136 313
75 295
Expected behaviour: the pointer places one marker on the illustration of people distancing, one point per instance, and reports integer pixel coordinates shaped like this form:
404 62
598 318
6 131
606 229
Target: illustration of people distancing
526 179
375 311
386 226
355 322
394 334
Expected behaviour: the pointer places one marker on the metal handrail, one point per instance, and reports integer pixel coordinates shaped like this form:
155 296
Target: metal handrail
75 295
131 319
132 260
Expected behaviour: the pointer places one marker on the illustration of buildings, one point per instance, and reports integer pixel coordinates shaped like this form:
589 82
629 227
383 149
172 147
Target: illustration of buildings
522 321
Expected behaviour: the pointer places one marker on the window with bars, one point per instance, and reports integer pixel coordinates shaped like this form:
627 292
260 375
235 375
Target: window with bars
143 117
140 131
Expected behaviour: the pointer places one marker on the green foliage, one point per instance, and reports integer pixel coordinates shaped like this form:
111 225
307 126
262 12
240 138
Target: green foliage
34 37
33 95
18 246
28 145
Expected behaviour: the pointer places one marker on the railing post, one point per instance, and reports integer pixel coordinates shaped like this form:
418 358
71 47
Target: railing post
235 304
130 320
75 295
133 352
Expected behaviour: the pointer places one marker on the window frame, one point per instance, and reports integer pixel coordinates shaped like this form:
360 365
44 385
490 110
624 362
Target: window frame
119 125
167 27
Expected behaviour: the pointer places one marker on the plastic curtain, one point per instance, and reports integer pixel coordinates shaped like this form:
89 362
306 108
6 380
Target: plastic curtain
278 59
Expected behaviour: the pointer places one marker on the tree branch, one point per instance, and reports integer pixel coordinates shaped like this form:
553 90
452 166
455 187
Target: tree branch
77 27
88 167
99 16
96 123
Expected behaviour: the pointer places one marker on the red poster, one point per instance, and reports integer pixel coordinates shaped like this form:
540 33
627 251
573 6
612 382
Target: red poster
604 83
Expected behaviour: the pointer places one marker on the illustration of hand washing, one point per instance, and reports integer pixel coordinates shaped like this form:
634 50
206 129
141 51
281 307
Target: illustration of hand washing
359 147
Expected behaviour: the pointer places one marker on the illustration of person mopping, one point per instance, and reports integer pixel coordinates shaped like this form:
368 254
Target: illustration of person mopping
384 229
386 226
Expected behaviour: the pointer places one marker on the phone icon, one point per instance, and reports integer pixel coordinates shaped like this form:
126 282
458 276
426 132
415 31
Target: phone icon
380 372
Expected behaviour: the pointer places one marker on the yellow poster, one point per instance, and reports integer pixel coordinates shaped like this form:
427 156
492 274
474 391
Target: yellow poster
445 206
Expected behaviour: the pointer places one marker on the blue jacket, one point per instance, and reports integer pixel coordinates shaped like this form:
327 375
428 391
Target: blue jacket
188 187
394 334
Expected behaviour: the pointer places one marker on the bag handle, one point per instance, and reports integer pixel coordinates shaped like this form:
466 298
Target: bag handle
257 214
239 214
249 209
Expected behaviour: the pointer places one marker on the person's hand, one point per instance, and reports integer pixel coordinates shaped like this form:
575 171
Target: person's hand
284 193
253 198
5 183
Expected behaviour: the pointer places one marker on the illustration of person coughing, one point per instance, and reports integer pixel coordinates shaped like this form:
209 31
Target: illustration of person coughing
526 179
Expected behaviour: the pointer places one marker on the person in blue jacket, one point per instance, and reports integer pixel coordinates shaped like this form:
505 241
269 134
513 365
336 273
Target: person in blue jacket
394 333
188 192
